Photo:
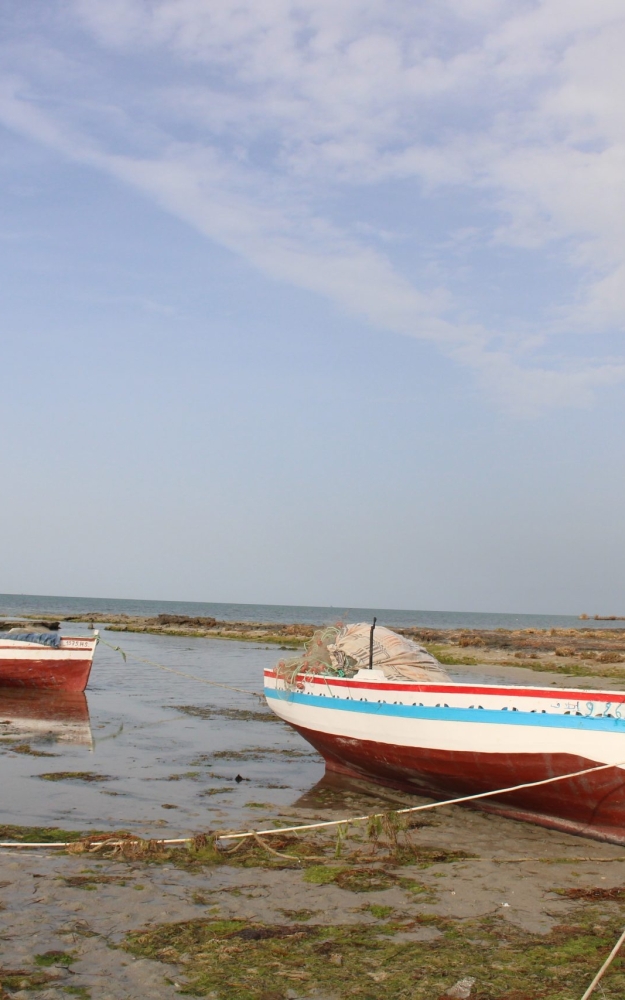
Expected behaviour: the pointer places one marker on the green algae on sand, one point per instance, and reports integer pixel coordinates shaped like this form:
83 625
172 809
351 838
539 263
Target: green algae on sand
74 776
48 958
41 834
241 960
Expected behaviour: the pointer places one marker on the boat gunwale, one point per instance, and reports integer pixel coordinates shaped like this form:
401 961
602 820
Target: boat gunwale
454 687
86 643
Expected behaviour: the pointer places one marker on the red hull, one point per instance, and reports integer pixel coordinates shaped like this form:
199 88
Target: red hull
57 675
592 805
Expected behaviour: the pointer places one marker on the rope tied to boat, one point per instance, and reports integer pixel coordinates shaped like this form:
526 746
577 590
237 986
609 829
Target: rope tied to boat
326 824
180 673
428 805
604 968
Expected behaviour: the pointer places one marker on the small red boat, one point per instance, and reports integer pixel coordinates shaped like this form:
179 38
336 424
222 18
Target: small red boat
46 661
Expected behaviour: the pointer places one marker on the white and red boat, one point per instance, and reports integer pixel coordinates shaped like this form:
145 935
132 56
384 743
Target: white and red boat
45 660
444 739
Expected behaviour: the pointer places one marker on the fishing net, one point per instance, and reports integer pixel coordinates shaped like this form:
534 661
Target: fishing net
341 651
316 659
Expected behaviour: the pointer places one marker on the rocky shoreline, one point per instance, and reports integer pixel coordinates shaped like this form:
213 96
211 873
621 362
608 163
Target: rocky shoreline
583 651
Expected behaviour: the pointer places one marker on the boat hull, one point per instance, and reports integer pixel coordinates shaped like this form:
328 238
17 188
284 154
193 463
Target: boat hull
592 806
30 666
454 740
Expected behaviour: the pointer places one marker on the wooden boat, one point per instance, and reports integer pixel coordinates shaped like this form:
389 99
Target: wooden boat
45 660
447 739
60 716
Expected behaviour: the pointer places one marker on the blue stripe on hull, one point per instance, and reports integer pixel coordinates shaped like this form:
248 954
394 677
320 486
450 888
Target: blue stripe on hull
443 714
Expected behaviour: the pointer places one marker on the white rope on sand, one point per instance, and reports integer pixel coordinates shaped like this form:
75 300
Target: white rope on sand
605 966
333 822
26 845
413 809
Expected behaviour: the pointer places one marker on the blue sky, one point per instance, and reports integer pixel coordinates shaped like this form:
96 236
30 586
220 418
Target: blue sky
314 302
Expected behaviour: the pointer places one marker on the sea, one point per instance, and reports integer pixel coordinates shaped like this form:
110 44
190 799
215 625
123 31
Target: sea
19 604
154 747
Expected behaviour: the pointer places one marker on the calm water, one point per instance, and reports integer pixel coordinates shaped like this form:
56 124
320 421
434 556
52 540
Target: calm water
168 746
16 604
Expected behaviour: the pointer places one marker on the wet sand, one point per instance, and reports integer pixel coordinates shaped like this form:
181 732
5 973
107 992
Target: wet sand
84 906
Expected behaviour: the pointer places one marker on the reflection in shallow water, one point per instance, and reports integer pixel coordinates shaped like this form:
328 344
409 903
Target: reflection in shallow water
52 716
171 754
338 791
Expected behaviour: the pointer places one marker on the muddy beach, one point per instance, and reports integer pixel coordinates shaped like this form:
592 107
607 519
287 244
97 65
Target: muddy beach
505 909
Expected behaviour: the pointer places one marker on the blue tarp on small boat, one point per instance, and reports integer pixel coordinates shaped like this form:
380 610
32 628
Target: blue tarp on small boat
41 638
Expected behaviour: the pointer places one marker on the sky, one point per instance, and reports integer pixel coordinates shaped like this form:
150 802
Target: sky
314 302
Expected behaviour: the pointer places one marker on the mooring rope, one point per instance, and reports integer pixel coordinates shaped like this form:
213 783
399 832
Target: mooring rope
604 967
413 809
300 828
258 834
180 673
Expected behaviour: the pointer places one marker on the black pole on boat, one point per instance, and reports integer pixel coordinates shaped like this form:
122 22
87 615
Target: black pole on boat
371 645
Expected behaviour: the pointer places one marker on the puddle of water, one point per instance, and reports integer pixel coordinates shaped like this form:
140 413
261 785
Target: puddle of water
171 747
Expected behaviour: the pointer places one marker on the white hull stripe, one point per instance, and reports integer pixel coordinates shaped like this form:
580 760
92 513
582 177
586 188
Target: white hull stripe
539 719
453 737
59 655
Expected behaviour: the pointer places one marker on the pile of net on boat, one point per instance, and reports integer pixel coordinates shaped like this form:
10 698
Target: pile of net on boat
341 651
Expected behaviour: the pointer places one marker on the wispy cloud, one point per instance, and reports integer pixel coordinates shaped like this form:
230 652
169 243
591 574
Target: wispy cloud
253 121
